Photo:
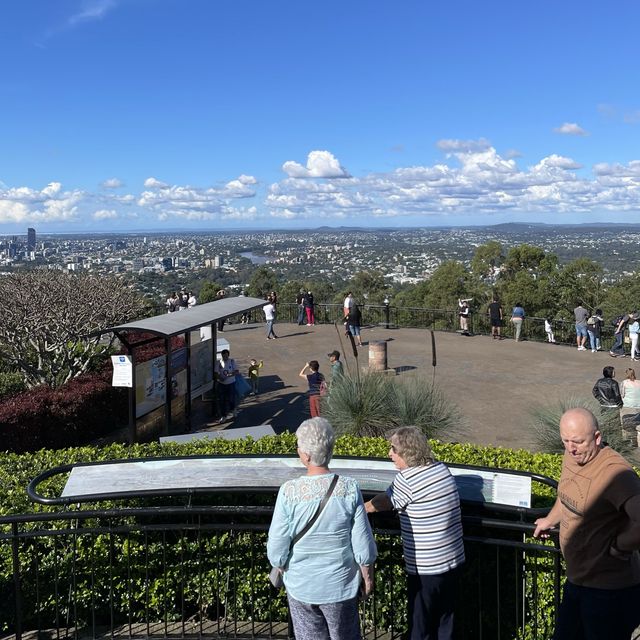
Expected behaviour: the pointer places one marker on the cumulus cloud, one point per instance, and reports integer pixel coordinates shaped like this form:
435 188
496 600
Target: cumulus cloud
475 179
571 129
111 183
105 214
152 183
320 164
50 204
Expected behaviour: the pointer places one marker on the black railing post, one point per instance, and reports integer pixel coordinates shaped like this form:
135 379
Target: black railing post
16 579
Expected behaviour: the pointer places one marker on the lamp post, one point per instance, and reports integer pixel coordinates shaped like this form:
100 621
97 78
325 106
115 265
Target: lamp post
386 312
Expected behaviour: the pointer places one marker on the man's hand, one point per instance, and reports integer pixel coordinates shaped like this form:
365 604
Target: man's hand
542 527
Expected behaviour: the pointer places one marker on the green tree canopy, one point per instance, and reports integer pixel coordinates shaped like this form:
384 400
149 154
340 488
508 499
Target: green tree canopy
208 292
486 257
263 281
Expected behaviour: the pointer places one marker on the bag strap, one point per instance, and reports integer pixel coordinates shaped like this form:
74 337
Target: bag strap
321 506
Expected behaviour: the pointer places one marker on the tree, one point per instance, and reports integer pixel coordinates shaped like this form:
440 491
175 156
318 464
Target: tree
580 281
486 258
368 286
449 282
48 319
263 282
208 292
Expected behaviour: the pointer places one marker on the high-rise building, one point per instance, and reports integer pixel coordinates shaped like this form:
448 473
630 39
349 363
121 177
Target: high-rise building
31 239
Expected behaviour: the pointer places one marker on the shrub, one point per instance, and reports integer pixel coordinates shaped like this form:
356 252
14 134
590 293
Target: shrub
80 411
375 403
546 419
10 384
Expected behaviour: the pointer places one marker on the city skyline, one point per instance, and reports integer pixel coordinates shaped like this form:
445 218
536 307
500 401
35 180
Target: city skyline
134 115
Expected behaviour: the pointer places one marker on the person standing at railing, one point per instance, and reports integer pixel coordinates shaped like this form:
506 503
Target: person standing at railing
309 308
464 313
323 565
517 319
495 318
353 320
598 511
426 497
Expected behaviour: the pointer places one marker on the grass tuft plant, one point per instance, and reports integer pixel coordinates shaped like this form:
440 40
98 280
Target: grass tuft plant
376 403
546 418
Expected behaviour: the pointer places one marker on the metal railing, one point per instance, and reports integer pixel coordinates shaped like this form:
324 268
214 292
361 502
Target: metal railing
436 319
190 572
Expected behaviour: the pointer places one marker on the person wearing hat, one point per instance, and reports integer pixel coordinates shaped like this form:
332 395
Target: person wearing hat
336 365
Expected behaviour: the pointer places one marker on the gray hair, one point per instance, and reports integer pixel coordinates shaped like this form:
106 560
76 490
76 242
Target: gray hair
316 438
412 446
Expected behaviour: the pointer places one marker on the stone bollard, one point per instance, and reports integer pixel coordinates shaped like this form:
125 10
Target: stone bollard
378 356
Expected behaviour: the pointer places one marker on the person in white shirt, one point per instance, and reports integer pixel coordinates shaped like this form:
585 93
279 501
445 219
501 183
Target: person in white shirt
269 311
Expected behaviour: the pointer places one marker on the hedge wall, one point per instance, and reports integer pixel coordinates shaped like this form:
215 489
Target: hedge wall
82 410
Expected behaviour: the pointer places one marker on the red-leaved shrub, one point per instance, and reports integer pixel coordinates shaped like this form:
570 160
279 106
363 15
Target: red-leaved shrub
82 410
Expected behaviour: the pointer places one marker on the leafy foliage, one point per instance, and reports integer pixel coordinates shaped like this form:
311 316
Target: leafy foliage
10 384
375 403
85 408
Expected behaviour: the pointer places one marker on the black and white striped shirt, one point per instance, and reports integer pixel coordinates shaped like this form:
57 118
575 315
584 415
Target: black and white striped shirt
429 508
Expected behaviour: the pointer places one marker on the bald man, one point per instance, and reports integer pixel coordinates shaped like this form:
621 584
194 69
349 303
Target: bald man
598 510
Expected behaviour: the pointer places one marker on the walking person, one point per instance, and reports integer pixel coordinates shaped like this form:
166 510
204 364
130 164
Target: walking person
517 318
269 311
425 495
322 565
354 320
617 351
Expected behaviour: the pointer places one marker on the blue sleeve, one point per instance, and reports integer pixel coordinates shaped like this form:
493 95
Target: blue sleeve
362 541
279 539
400 493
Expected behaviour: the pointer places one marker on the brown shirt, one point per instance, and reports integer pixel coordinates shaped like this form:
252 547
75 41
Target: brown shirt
592 497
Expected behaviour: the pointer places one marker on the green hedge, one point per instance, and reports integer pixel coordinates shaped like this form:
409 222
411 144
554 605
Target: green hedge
17 470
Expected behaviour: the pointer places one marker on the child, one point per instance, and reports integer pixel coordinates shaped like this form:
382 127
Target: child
549 330
254 373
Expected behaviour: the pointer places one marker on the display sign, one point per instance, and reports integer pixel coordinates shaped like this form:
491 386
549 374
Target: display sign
150 385
201 368
122 371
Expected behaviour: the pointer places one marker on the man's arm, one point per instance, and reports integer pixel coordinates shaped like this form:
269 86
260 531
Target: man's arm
381 502
628 539
302 373
551 520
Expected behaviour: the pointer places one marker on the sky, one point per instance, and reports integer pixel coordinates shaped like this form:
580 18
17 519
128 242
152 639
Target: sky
265 114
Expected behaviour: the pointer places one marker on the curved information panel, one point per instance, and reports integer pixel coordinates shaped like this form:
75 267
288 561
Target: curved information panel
180 475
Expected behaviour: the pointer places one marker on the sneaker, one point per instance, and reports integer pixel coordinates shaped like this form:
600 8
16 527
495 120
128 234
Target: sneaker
582 348
613 355
593 350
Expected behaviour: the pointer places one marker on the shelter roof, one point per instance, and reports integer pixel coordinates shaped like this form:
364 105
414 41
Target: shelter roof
172 324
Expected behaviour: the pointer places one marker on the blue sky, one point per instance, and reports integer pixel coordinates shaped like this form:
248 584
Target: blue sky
207 114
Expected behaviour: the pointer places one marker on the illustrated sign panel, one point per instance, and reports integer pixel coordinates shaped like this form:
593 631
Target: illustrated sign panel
150 385
201 367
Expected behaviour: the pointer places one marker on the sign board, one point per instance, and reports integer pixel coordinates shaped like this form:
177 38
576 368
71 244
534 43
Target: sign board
122 371
150 385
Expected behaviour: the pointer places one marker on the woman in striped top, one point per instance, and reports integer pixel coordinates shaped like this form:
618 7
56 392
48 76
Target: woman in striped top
425 496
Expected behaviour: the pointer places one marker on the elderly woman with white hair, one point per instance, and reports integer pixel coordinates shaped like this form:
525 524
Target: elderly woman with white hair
323 569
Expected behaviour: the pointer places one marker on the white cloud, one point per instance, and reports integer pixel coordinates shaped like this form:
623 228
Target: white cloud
320 164
111 183
51 204
105 214
152 183
449 145
91 10
571 129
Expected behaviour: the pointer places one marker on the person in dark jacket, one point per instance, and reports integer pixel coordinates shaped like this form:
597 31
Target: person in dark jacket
606 390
